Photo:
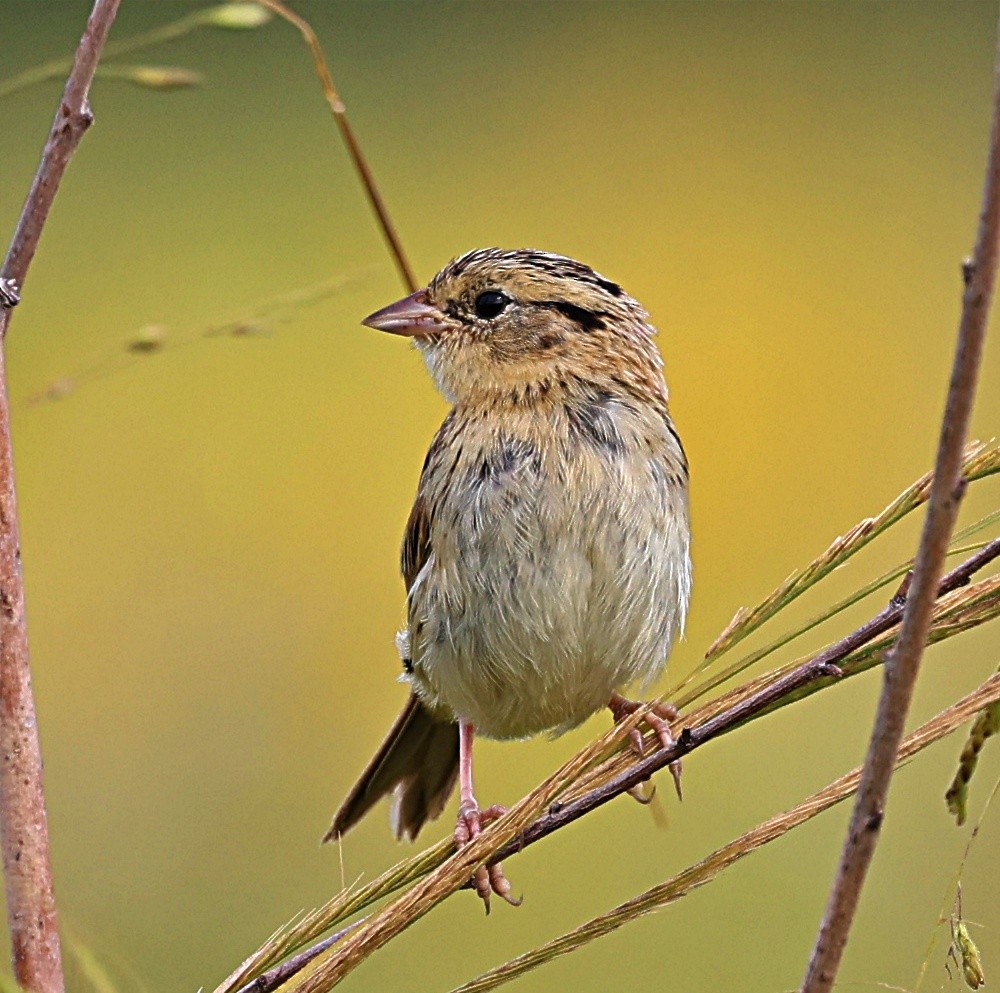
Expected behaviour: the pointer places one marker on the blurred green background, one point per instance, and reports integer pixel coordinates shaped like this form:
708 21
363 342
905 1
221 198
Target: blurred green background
211 531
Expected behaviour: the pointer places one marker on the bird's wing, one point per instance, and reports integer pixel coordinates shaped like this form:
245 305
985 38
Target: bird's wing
417 536
416 540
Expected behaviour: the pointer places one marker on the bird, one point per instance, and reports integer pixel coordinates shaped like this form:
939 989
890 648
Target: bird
547 554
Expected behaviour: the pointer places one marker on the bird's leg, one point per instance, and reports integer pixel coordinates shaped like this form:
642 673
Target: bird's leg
472 820
658 719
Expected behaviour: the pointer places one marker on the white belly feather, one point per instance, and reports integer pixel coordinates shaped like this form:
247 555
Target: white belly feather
556 576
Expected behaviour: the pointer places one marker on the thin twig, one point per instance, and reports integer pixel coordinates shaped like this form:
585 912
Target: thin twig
819 666
24 836
280 974
902 667
353 148
816 670
680 885
72 120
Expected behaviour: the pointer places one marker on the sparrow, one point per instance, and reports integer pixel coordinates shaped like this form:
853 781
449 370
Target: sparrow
547 555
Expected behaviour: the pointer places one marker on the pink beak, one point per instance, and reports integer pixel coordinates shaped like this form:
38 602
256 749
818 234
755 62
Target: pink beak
412 316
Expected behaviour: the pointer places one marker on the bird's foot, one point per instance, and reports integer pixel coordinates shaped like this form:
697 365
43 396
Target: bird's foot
486 879
658 719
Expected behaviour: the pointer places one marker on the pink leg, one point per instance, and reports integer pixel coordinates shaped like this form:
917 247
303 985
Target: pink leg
658 719
467 797
471 821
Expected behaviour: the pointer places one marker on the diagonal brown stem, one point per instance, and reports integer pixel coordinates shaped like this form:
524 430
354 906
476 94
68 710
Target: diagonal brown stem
347 135
902 667
686 881
280 974
24 835
820 667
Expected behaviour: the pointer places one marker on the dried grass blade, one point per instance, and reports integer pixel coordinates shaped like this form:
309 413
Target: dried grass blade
381 927
955 613
980 460
704 871
350 901
719 676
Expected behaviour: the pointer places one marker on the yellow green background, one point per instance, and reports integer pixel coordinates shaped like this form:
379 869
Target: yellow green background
211 531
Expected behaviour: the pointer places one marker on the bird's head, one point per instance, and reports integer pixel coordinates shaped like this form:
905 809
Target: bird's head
497 324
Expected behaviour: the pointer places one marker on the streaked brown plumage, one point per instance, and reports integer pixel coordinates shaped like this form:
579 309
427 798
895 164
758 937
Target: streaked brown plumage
546 558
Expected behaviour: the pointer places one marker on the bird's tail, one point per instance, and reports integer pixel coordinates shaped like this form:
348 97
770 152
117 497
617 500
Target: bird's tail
417 762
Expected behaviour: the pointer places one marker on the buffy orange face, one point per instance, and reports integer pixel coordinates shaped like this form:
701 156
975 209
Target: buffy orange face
494 320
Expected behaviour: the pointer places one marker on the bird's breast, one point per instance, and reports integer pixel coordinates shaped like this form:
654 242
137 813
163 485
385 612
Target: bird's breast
559 567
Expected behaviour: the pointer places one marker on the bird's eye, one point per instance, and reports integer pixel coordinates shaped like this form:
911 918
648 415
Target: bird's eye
491 303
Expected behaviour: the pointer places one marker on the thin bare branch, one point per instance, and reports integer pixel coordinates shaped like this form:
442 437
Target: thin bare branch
671 890
904 664
622 772
24 835
72 120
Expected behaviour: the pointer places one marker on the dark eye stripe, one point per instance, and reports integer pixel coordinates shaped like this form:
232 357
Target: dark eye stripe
589 320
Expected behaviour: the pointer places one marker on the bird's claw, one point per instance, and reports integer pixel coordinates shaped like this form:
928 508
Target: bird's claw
487 879
641 796
658 720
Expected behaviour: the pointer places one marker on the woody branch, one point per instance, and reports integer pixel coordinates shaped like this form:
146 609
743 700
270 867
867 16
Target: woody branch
24 835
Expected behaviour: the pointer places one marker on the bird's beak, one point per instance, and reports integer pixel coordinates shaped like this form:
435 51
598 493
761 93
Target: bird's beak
412 316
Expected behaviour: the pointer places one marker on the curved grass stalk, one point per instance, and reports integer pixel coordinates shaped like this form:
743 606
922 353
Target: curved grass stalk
351 900
707 869
223 15
980 460
442 868
684 699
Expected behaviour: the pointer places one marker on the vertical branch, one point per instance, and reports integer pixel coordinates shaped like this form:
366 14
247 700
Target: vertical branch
902 667
24 835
